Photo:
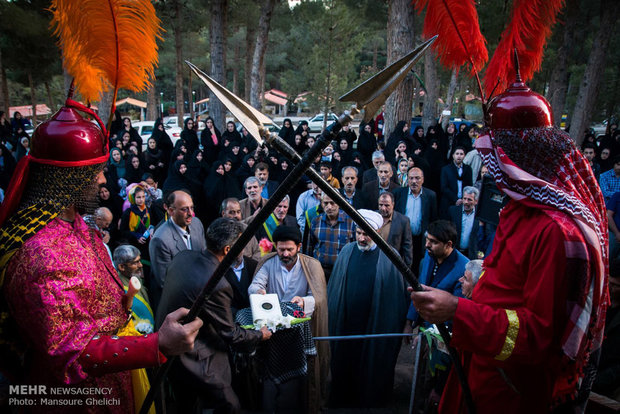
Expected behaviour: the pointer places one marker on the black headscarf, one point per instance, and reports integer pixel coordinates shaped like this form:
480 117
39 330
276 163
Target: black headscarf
164 143
248 142
211 148
233 137
281 174
462 139
190 137
245 170
133 135
175 153
133 175
7 166
176 180
197 170
396 136
287 133
345 155
218 187
117 123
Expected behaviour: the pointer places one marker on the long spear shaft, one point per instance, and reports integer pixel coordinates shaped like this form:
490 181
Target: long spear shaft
302 165
282 146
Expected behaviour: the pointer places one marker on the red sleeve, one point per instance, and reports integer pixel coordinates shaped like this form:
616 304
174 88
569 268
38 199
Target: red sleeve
534 316
106 354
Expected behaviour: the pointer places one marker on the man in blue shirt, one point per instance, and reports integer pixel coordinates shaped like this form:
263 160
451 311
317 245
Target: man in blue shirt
613 219
610 180
443 264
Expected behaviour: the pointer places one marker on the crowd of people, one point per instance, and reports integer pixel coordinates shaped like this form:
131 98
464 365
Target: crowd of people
169 212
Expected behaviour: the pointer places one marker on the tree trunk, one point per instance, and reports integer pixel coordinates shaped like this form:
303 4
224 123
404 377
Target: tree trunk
67 79
217 40
151 102
450 98
105 104
250 37
4 98
559 76
375 52
50 100
416 97
191 94
263 75
178 46
399 42
431 81
588 90
236 66
260 47
5 91
33 97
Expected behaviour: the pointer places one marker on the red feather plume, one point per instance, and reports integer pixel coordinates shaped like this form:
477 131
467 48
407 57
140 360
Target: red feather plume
456 23
529 27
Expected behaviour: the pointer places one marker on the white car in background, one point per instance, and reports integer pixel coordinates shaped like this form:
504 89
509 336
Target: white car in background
315 124
173 121
145 130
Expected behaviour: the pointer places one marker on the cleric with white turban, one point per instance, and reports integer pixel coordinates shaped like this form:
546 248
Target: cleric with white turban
365 295
372 217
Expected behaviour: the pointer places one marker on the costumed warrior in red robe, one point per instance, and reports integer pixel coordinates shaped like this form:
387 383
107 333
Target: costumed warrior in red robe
529 337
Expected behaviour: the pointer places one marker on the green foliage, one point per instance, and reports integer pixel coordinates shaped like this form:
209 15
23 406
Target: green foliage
316 41
26 41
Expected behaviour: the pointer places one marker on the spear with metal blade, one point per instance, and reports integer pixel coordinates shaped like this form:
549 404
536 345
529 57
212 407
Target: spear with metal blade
370 95
236 249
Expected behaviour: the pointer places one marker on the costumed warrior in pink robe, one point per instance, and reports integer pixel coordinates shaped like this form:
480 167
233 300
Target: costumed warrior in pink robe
59 286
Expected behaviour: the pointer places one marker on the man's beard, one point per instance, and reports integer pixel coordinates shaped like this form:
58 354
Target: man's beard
137 274
288 260
365 248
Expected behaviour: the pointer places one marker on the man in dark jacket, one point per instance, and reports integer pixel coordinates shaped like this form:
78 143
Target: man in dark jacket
203 375
396 229
454 177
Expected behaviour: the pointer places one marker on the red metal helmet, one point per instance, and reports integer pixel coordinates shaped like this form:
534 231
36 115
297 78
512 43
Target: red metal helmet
518 108
67 136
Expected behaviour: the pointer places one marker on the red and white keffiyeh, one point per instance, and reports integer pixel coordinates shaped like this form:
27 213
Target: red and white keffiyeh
542 168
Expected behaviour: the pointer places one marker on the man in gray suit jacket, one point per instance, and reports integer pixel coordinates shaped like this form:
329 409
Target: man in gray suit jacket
396 229
419 204
182 231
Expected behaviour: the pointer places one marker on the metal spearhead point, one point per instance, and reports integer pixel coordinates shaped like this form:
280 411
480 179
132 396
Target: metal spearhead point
373 93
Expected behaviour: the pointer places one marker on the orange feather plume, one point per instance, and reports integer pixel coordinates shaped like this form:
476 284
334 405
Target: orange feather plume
456 23
107 43
529 28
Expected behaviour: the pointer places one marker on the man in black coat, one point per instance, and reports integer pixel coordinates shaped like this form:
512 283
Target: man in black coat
419 204
373 189
204 374
464 219
454 177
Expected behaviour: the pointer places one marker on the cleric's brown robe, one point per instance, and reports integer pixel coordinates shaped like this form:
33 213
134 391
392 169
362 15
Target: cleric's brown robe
318 367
